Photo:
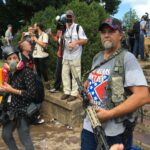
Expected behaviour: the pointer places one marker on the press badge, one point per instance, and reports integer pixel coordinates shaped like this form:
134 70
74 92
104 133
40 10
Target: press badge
9 99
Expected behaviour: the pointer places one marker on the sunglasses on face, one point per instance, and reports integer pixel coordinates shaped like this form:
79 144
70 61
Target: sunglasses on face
69 16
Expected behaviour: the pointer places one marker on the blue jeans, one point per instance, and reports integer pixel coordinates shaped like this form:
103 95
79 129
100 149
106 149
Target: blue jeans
88 141
23 132
141 45
136 47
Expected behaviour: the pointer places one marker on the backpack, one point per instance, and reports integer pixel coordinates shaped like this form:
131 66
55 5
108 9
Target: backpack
39 88
77 29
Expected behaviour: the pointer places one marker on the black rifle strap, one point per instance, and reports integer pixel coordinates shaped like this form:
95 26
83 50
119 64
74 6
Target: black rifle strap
117 52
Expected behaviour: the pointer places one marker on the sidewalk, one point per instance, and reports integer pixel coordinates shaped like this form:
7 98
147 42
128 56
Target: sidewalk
51 136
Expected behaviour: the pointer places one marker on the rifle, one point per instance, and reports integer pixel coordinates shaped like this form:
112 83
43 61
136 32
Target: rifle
89 109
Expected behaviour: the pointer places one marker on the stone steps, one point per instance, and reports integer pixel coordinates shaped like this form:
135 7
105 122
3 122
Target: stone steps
142 140
142 130
147 75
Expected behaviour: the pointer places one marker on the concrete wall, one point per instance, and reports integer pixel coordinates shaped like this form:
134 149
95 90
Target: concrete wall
68 113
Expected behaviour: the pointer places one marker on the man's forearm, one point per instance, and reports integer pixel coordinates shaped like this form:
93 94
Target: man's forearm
41 43
82 41
133 102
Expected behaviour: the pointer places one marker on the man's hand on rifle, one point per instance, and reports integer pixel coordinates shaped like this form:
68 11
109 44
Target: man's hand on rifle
86 84
103 114
117 147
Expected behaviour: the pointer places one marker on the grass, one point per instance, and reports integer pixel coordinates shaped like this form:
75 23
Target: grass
1 63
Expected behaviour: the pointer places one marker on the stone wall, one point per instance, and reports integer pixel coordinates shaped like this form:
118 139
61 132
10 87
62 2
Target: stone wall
68 113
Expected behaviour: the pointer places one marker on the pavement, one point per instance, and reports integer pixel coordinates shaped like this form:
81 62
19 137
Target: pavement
51 135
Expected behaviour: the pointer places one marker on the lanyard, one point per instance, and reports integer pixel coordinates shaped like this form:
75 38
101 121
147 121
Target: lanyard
70 33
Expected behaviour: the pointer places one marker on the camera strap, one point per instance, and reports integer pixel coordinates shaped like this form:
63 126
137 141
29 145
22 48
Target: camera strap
70 32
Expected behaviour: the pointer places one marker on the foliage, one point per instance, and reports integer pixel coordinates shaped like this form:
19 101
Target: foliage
88 16
129 19
19 12
36 4
111 6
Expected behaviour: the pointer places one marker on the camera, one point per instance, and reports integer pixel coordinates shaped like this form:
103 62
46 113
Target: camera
61 22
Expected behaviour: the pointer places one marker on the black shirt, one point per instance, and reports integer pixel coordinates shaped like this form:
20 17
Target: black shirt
22 80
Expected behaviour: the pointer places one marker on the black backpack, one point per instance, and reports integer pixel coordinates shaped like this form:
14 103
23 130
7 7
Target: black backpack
39 88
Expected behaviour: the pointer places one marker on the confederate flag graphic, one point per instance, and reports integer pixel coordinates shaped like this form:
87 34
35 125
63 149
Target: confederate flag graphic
96 89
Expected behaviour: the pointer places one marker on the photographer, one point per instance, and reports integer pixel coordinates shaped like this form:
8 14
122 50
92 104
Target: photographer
61 27
39 54
74 39
20 91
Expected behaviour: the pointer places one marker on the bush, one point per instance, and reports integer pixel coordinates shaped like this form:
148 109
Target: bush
88 16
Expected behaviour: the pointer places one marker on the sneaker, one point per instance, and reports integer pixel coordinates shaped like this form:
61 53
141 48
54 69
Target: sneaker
65 96
71 98
53 90
40 121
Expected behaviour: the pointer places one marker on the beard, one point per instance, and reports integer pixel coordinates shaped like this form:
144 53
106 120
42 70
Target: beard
108 45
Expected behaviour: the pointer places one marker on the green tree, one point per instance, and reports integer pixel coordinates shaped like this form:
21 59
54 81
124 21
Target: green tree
111 6
129 19
88 16
19 12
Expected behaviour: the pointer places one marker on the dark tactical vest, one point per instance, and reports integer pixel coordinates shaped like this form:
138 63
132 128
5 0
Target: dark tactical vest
115 87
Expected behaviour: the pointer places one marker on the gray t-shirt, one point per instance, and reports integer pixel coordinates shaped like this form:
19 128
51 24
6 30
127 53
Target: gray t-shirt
98 80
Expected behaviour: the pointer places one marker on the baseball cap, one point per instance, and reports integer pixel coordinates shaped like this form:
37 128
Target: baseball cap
112 22
69 12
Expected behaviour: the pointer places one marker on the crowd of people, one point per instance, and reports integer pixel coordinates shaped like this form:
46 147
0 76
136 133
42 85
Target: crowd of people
137 36
116 85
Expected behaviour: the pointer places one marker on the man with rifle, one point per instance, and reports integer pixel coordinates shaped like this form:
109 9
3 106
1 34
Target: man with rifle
116 86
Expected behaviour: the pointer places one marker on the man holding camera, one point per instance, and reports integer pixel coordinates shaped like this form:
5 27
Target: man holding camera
73 41
39 54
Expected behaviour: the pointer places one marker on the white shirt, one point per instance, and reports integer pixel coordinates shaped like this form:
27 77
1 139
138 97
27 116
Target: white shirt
72 35
44 38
